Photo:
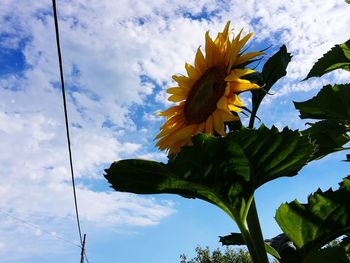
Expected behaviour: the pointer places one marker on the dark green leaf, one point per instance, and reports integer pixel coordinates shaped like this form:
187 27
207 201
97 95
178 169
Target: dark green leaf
345 243
329 135
347 158
223 171
313 225
149 177
337 57
234 239
332 102
274 69
327 255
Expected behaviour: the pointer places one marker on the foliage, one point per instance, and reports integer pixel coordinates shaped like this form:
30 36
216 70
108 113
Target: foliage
204 255
324 218
223 171
337 58
226 171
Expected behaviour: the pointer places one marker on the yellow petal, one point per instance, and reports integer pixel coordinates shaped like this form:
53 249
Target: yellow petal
246 57
191 71
235 100
222 36
200 128
234 103
234 108
234 78
183 80
227 90
225 32
234 50
244 40
170 111
218 123
176 90
243 72
183 133
212 54
227 116
222 103
238 87
177 97
209 125
200 62
173 120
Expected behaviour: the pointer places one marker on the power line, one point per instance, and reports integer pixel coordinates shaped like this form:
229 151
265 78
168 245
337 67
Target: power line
66 116
82 240
25 222
52 235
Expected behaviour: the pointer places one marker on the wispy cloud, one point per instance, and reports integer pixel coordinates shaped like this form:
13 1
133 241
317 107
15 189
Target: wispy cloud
118 60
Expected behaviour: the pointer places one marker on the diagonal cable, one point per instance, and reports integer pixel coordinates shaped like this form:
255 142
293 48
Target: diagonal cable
34 226
66 116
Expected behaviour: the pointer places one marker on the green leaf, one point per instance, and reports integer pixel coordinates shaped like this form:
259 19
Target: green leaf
274 69
149 177
347 158
223 171
236 239
345 243
332 102
313 225
273 252
326 255
338 57
329 135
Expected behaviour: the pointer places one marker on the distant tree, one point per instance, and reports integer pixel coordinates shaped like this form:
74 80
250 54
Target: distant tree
229 256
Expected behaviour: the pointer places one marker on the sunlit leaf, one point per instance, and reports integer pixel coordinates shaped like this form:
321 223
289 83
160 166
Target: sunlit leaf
332 102
223 171
324 218
332 106
338 57
329 135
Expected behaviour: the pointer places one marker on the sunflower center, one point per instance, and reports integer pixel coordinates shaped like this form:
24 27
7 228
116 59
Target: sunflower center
204 95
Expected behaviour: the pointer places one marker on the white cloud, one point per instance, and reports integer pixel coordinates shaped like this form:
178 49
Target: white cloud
107 47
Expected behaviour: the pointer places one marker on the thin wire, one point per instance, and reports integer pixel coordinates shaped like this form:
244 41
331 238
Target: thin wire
25 222
66 116
87 260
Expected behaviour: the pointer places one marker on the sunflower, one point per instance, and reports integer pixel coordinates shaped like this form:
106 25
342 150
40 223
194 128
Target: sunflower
207 97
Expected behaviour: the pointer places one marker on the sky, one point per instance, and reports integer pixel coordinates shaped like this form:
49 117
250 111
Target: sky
118 59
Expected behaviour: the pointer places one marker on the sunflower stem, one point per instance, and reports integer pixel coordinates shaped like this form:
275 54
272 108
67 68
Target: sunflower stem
253 218
252 118
248 241
255 231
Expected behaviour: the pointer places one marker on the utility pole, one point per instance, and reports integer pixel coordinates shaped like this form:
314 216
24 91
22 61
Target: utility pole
82 250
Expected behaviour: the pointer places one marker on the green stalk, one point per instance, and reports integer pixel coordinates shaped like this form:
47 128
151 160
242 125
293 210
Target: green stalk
248 241
255 232
253 218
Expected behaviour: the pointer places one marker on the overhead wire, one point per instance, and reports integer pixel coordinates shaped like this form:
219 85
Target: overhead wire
66 116
67 128
34 226
82 242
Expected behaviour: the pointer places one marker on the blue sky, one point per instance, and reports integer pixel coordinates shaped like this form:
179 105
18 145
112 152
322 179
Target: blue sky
119 57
